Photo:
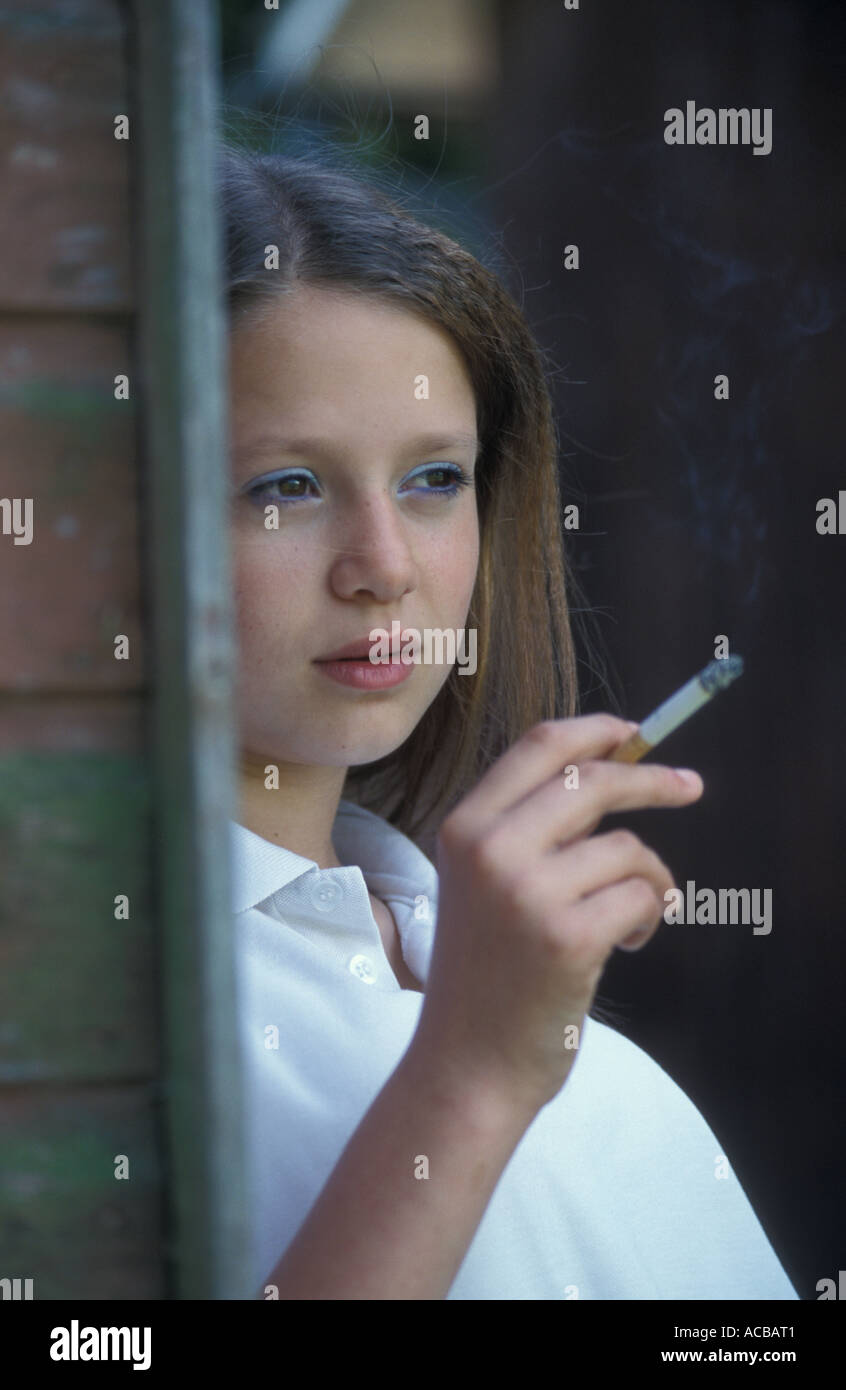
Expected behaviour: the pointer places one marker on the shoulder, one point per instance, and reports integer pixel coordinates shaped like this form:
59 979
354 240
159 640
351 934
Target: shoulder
643 1093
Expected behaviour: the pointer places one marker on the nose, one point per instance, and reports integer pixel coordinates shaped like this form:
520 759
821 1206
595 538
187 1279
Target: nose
372 551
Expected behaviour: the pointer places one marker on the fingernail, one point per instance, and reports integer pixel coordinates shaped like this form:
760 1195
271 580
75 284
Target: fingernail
689 776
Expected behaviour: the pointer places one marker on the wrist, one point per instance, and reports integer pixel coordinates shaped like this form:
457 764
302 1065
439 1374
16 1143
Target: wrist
486 1099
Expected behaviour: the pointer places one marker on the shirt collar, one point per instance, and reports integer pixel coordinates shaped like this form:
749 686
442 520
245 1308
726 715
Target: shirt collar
389 861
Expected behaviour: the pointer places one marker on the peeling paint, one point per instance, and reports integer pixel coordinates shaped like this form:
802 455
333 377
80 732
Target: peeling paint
36 156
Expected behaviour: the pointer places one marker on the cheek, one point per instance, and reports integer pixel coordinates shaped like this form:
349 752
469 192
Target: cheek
262 564
250 584
264 602
459 560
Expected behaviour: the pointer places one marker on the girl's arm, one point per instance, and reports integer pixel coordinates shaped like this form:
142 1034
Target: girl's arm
531 904
378 1232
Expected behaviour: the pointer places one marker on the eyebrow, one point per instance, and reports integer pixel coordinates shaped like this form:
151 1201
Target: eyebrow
425 443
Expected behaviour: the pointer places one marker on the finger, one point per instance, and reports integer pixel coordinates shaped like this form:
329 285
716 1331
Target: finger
637 939
557 813
602 793
591 865
608 918
541 753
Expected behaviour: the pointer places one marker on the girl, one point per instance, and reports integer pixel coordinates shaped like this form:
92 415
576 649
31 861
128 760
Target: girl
432 1113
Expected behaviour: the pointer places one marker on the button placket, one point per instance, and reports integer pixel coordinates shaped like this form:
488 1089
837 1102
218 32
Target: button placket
326 895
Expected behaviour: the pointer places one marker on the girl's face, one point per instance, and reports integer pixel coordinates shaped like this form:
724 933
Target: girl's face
327 428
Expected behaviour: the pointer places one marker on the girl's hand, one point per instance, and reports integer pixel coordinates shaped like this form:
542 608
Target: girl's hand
532 903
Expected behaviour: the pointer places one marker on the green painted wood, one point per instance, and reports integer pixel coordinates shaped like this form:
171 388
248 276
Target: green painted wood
66 1220
79 1027
78 998
74 403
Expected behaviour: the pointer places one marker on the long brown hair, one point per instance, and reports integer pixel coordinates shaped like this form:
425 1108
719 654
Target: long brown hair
336 228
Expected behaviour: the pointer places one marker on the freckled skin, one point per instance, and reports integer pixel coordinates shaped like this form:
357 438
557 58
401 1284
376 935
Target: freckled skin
357 548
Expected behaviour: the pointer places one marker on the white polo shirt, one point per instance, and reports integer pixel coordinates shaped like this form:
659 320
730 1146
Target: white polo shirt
612 1193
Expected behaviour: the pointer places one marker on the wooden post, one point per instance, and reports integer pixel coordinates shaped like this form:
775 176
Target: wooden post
183 363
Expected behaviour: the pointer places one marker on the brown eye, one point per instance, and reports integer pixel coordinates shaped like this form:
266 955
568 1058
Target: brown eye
291 487
449 476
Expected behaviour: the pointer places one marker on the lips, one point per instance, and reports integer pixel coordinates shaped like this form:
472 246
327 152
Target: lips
358 650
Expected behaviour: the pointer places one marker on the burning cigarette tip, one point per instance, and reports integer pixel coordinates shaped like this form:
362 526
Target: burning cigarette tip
718 674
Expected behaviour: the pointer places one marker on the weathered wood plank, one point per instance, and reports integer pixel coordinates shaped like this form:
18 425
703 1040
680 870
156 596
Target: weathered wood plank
79 987
78 996
66 1221
96 723
65 208
70 580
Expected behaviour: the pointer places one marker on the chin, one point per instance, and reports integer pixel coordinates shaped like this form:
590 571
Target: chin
358 752
372 752
343 738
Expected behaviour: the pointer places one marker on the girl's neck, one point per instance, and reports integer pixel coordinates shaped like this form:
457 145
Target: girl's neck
298 814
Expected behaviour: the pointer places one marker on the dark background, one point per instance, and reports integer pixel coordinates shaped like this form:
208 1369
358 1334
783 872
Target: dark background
698 516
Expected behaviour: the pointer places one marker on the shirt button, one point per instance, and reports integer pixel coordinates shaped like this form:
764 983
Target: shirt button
362 967
324 895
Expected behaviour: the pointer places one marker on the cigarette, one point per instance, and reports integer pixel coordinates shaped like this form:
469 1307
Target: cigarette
667 717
